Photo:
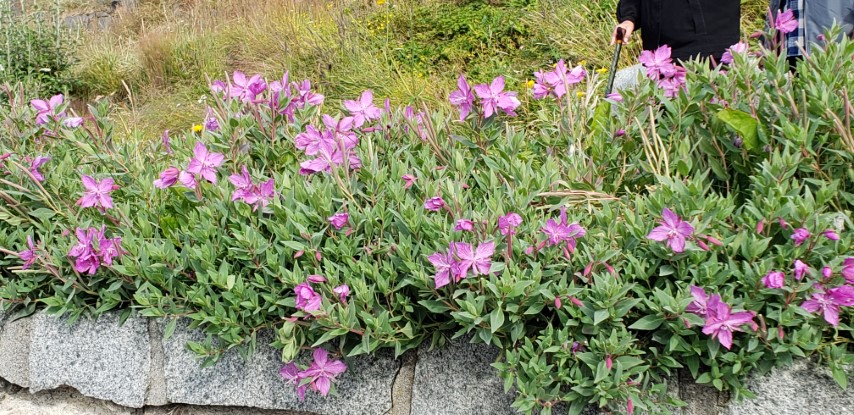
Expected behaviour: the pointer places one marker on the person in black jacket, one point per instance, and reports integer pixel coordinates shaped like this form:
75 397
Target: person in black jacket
692 28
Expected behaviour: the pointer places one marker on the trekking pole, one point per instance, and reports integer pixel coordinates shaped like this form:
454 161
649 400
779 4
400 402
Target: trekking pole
613 71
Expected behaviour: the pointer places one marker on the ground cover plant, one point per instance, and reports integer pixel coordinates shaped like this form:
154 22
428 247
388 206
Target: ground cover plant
699 221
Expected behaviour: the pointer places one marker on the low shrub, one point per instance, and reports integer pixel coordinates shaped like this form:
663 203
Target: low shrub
700 221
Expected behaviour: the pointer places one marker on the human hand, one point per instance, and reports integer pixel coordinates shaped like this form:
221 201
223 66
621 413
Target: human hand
628 27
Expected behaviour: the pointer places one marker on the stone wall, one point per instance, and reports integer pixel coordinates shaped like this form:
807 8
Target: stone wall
110 368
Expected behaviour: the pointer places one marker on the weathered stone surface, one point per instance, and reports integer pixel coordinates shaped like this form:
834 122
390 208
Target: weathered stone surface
803 388
627 78
15 339
156 394
458 379
99 357
402 388
366 387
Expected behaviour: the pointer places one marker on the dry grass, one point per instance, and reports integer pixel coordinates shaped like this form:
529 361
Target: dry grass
154 61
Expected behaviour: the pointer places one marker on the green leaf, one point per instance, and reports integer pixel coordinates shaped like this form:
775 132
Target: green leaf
496 319
647 323
170 328
744 124
434 306
599 316
840 377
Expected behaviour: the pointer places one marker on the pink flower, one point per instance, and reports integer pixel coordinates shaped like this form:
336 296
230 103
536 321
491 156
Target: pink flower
35 165
739 47
826 272
291 373
409 179
800 235
541 88
109 248
478 260
848 270
673 230
306 299
187 179
204 163
167 178
323 372
88 257
434 204
47 109
72 122
343 291
615 96
316 279
774 279
462 98
508 223
493 98
242 184
246 89
309 141
338 220
97 194
165 140
464 225
800 269
828 302
656 61
305 96
703 305
563 232
724 322
561 79
28 255
445 265
363 109
786 22
211 123
831 234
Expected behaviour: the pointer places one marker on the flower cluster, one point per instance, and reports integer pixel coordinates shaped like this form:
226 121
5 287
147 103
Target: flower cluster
660 68
333 147
93 248
492 97
285 97
203 163
721 322
251 193
459 260
556 82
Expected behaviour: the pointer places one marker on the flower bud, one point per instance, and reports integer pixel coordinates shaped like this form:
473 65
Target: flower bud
557 302
318 256
826 272
760 226
608 362
299 254
831 234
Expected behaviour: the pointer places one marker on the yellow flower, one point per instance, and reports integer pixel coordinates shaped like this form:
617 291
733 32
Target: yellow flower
530 84
197 128
602 70
583 63
580 94
380 2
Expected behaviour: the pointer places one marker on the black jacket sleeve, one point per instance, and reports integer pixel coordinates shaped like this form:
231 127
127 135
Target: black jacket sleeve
629 10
